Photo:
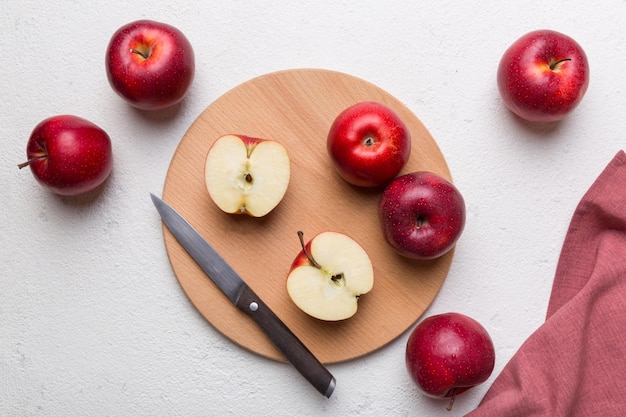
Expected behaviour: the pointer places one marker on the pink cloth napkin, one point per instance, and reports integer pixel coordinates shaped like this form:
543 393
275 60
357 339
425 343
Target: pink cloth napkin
574 365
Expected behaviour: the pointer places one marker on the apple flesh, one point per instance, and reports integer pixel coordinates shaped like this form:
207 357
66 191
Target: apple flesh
422 215
369 144
69 155
543 76
150 64
447 354
247 175
329 275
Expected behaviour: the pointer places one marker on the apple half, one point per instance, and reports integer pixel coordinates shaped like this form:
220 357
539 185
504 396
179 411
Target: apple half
246 175
329 275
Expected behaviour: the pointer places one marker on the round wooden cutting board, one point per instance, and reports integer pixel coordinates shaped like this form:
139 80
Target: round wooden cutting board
297 107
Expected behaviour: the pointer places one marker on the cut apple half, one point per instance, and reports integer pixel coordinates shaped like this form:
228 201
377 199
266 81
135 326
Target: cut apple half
246 175
329 275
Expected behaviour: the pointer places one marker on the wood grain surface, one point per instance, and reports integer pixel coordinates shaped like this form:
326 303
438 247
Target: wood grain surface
297 107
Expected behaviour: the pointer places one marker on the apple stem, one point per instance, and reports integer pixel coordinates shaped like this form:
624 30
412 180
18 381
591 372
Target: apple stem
30 161
555 65
449 407
306 252
138 52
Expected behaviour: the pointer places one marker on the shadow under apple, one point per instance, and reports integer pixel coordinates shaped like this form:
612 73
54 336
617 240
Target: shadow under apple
163 116
538 130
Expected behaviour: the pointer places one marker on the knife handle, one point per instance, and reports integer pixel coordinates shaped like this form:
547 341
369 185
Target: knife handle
288 344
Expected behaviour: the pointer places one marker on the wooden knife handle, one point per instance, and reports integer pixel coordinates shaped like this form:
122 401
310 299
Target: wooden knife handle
288 344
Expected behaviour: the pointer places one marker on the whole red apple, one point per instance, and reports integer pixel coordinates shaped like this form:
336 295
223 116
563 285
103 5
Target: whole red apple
448 354
543 76
368 144
150 64
422 215
69 155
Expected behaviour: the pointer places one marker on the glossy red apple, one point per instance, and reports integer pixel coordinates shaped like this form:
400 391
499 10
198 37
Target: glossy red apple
422 215
69 155
543 76
150 64
369 144
448 354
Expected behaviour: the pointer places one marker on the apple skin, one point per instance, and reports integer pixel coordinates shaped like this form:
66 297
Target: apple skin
369 144
543 76
69 155
301 259
150 64
422 215
447 354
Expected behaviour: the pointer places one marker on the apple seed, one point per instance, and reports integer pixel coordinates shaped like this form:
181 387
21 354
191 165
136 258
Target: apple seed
338 280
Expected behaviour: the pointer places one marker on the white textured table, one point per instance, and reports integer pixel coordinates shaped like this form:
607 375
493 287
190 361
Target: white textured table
92 319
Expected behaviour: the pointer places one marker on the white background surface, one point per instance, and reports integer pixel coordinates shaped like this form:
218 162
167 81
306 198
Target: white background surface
92 319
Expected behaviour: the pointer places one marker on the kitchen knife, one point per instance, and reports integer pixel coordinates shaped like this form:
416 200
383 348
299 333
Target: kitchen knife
233 286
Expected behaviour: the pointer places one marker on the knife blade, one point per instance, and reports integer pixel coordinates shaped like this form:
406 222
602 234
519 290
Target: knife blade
241 295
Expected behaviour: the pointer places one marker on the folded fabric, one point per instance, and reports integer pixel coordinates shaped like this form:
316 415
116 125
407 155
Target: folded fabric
574 365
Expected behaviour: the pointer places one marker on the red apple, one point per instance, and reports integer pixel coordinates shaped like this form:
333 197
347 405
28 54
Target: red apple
422 215
329 275
69 155
368 144
448 354
543 76
150 64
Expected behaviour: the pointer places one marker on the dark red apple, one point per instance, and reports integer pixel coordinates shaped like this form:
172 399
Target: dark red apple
369 144
69 155
422 215
448 354
543 76
150 64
